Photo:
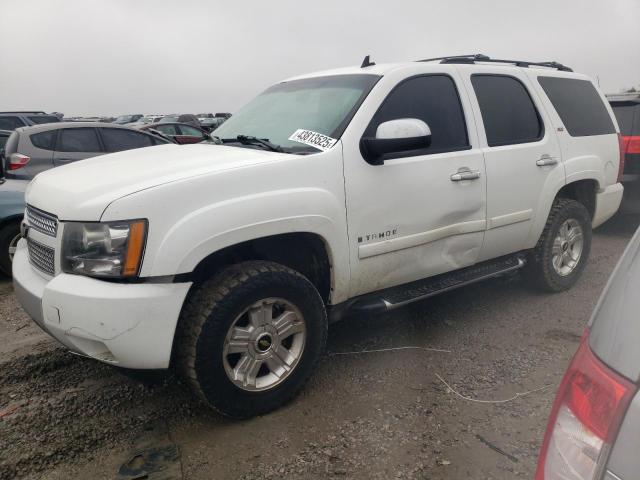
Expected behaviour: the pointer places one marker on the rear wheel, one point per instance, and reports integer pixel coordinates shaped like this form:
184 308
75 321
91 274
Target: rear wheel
9 236
561 254
250 337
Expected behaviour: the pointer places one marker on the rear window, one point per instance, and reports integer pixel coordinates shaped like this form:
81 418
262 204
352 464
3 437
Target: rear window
44 140
579 106
78 140
39 119
10 123
508 113
628 116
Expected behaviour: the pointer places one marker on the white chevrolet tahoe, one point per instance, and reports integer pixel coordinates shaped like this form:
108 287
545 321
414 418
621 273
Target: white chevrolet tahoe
354 190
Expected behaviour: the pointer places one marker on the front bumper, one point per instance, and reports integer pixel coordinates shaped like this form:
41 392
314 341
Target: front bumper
607 203
124 324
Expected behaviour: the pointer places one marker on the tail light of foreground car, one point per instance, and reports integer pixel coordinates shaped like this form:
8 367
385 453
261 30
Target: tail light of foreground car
585 418
17 160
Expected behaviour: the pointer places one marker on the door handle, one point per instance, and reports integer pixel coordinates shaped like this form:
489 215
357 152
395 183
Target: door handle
464 174
545 160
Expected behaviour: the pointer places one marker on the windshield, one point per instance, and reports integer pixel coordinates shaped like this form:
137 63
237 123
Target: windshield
324 105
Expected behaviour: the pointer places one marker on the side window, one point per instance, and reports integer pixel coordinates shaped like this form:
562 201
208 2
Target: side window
508 113
78 140
117 139
194 132
10 123
433 99
44 140
167 129
628 116
579 106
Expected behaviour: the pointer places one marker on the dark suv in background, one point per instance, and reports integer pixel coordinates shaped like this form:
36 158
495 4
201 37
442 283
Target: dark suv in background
626 107
13 120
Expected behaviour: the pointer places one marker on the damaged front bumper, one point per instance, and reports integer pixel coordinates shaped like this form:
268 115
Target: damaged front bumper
124 324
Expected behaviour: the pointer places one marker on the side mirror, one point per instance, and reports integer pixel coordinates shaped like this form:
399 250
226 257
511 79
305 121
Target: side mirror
395 136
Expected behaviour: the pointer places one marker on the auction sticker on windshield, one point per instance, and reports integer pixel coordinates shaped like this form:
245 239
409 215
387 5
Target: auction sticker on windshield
315 139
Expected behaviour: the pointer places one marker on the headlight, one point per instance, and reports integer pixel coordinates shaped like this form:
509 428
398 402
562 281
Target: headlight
112 250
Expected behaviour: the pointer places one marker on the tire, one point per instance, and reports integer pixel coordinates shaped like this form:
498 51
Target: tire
9 235
215 322
545 269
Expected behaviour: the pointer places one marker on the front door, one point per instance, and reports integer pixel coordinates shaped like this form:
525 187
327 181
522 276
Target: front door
415 215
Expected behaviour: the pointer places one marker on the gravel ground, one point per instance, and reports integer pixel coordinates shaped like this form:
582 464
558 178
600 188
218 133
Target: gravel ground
370 415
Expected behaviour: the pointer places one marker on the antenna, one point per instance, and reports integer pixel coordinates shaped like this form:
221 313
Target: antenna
367 63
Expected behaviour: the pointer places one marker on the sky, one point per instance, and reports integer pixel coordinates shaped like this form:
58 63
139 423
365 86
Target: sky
109 57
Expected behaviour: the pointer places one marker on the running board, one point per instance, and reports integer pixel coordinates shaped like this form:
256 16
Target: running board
396 297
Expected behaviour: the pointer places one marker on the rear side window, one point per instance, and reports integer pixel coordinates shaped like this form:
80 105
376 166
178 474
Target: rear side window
508 113
10 123
44 140
628 116
78 140
118 140
432 99
579 106
39 119
167 129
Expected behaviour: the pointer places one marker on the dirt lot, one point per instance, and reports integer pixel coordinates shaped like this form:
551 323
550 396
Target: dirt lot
370 415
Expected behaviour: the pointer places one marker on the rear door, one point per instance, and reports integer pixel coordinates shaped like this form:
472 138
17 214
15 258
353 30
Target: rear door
76 144
521 153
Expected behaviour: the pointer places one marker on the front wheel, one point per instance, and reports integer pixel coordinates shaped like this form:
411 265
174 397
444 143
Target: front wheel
9 236
250 337
561 254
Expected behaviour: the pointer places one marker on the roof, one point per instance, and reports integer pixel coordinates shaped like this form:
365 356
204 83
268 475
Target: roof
441 64
57 125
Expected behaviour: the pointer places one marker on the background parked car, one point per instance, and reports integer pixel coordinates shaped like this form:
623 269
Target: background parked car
179 132
181 118
31 150
626 107
13 120
211 123
124 119
586 433
11 211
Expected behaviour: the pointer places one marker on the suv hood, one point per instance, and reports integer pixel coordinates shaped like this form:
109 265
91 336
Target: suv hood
82 190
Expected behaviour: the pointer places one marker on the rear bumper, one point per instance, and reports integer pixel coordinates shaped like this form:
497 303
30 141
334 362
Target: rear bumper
129 325
607 203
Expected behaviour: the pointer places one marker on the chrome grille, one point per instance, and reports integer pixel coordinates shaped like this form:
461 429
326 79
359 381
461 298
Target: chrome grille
41 256
42 221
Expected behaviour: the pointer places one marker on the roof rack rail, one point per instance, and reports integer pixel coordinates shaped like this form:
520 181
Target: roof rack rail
478 57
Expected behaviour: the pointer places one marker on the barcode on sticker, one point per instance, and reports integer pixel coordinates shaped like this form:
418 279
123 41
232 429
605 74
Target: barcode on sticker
315 139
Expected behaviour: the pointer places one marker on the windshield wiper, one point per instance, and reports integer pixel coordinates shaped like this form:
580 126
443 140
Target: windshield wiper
250 140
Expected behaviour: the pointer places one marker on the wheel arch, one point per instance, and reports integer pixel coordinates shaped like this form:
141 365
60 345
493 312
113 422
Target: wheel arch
306 252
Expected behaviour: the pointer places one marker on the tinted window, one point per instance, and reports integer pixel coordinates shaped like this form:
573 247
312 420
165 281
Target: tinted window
628 116
117 140
167 129
433 99
10 123
78 140
39 119
194 132
508 113
44 140
3 141
579 106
